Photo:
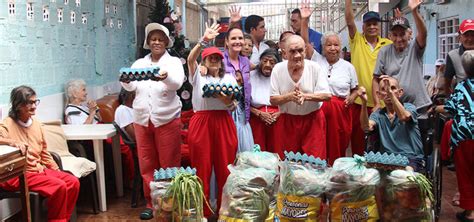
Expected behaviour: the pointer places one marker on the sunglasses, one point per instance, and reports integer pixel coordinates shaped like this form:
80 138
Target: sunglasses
31 102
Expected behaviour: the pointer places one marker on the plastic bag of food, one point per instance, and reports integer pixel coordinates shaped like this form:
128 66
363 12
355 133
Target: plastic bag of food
300 192
247 194
257 158
351 190
407 196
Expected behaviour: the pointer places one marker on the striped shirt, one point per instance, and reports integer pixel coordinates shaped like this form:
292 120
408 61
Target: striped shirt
461 106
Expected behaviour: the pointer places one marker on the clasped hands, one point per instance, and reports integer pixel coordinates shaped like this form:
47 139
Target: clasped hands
296 96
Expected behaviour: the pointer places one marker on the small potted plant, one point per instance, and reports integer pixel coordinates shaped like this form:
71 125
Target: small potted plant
186 196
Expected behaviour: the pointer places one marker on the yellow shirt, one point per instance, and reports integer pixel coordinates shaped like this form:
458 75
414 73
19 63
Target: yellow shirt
364 57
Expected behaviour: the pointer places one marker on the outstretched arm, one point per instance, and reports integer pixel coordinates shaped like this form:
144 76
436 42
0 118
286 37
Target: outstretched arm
235 17
306 12
421 32
349 15
210 34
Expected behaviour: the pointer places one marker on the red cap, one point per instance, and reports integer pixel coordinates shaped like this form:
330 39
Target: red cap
466 25
211 50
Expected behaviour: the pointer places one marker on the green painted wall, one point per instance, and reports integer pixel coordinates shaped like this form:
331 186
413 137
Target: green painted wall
46 54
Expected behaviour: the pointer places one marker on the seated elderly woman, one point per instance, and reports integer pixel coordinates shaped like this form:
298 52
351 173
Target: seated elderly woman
79 110
21 130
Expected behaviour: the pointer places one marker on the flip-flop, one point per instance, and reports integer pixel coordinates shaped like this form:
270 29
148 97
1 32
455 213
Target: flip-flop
146 214
461 216
455 202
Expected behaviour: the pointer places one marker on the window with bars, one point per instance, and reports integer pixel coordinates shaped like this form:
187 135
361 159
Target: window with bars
448 35
84 18
73 17
60 15
29 11
45 13
11 8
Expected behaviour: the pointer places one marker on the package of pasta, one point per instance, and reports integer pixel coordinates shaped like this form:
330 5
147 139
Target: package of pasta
248 194
351 190
407 196
300 192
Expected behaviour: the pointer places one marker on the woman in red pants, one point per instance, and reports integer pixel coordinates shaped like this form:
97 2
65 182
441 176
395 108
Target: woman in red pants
212 135
264 117
21 130
157 109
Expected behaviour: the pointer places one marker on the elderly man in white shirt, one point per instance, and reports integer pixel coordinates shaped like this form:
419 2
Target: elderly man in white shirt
299 87
157 109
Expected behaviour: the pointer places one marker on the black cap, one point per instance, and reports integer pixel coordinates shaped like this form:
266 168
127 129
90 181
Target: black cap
400 21
371 15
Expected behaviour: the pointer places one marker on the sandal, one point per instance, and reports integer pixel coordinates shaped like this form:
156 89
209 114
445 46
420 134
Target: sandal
146 214
461 216
455 202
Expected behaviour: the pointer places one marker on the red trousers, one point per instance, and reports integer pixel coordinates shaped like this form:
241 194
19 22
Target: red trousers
445 148
212 140
266 135
357 135
464 160
59 187
157 147
339 127
305 133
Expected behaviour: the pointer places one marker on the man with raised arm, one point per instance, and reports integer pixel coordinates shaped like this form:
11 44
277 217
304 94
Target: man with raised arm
364 49
403 59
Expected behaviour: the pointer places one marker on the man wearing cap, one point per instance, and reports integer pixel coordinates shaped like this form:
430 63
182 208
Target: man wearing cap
298 88
403 59
157 109
453 59
435 84
364 48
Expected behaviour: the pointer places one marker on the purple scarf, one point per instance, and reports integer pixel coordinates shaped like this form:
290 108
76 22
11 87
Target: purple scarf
244 66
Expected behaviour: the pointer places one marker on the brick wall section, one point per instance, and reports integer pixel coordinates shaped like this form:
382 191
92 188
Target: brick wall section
46 54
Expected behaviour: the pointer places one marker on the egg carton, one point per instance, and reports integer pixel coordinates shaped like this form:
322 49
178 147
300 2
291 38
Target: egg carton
211 89
141 74
305 159
169 173
386 160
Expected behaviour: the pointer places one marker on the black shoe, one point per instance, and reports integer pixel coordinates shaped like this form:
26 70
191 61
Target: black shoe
451 167
146 214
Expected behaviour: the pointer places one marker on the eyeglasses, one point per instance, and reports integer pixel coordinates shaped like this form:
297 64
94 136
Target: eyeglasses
31 102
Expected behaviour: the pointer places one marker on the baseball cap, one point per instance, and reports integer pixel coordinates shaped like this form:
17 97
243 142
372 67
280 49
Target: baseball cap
155 26
371 15
211 50
399 21
440 62
466 25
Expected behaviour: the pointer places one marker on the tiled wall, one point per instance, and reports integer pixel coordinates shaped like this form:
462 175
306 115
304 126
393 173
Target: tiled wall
44 52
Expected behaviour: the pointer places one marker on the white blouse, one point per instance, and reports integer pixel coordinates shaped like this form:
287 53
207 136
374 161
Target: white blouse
157 100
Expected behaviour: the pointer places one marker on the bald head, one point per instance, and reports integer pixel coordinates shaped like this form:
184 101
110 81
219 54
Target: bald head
293 40
295 51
